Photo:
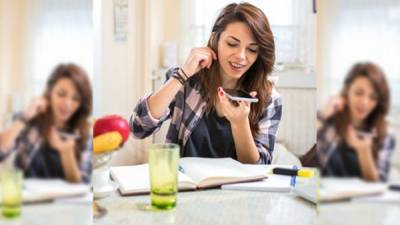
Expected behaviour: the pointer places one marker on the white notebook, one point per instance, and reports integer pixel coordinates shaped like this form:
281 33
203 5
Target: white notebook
335 189
198 173
40 190
387 197
274 183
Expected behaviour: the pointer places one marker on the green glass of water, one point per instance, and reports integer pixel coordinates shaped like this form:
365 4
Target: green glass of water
11 192
163 163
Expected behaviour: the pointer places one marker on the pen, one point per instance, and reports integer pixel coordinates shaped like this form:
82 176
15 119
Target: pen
293 172
180 168
293 178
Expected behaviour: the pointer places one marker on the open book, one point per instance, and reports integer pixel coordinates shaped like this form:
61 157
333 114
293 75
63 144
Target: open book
42 190
197 173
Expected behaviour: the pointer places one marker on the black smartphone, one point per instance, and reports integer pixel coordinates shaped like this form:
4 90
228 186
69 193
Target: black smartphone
239 95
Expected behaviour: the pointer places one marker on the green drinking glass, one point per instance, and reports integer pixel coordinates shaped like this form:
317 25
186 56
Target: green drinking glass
163 164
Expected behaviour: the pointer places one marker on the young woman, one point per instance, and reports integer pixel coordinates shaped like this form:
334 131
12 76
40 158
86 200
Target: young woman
240 55
354 138
51 137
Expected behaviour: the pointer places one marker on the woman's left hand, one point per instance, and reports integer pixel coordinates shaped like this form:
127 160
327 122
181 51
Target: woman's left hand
59 144
235 113
359 144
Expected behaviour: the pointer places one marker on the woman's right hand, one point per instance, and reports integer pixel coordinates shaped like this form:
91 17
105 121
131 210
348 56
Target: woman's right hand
335 104
199 58
36 106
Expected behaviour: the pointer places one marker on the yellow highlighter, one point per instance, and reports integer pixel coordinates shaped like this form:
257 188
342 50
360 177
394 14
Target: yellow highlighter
308 173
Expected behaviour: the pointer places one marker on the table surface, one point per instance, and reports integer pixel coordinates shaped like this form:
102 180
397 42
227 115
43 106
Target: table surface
350 213
211 207
53 214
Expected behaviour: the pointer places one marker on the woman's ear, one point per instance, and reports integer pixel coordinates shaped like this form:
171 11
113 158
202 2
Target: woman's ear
213 40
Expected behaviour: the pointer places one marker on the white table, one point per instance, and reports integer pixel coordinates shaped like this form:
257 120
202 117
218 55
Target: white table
211 207
352 213
68 212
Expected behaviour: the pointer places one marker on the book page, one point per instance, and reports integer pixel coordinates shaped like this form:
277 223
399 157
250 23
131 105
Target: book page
131 179
135 179
209 171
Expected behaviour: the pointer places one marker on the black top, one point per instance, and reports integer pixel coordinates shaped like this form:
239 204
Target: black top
45 164
343 163
211 138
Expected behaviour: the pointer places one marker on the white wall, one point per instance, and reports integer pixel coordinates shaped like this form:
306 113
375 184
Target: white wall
123 70
12 46
119 66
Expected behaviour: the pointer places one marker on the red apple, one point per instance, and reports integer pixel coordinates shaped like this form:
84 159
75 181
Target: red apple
111 123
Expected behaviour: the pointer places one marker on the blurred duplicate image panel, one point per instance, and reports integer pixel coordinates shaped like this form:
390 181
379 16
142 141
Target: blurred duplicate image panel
46 77
358 108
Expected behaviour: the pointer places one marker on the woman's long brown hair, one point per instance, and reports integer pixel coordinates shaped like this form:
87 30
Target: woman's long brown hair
79 120
255 79
376 119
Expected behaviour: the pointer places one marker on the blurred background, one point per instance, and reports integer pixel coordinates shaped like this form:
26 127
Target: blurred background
136 41
35 36
360 30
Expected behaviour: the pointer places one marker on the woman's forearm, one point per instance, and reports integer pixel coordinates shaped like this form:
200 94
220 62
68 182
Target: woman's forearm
7 138
367 165
161 99
246 149
70 166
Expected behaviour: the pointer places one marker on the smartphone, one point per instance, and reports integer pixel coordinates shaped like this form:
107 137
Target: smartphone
362 134
239 95
65 135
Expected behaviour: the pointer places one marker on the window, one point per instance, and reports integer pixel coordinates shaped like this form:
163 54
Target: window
59 32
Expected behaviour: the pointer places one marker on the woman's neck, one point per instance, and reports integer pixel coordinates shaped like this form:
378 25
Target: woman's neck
59 124
228 83
356 123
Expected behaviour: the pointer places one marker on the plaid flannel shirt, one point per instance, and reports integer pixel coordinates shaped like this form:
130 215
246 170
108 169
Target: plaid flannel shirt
28 144
188 107
328 141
